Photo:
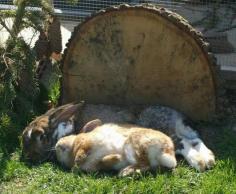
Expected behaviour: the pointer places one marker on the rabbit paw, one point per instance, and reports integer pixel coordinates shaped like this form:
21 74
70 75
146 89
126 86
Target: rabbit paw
206 154
129 170
136 169
197 154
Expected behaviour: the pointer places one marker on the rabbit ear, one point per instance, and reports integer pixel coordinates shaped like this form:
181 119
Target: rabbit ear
55 111
91 125
63 113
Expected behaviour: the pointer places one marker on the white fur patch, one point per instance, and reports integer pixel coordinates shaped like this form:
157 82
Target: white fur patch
130 154
197 154
195 151
184 131
29 133
192 156
158 158
205 153
112 137
63 129
109 141
168 161
152 156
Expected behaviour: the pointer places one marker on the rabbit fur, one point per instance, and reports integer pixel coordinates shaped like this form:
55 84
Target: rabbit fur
122 147
73 117
41 135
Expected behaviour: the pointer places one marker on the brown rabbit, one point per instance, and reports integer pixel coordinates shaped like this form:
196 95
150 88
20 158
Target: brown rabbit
41 135
126 148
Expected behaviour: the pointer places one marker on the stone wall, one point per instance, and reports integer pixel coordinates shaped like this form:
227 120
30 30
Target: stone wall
218 25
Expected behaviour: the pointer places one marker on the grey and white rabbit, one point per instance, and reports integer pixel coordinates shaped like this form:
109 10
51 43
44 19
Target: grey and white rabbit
180 129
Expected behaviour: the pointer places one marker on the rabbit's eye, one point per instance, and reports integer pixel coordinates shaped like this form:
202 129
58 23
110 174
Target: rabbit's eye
42 137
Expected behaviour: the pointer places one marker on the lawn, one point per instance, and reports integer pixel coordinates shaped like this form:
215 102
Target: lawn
17 177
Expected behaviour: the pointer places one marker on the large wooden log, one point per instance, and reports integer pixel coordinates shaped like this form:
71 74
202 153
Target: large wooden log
140 55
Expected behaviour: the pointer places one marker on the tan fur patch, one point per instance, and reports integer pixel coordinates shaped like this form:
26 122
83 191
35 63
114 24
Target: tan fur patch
202 165
169 150
81 147
110 160
142 139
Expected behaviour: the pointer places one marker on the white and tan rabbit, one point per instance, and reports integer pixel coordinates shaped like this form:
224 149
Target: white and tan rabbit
126 148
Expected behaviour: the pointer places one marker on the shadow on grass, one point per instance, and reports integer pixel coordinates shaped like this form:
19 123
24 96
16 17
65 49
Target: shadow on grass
9 142
3 162
220 138
5 156
115 174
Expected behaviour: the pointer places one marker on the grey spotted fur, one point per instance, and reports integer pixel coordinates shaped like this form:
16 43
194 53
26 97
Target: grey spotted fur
168 121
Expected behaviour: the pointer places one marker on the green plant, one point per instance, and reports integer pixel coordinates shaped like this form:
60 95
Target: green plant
19 86
54 90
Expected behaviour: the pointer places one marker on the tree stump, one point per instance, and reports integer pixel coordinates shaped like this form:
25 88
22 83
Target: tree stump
140 55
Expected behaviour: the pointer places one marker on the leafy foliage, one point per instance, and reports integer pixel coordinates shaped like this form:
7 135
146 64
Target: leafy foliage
54 92
19 86
8 133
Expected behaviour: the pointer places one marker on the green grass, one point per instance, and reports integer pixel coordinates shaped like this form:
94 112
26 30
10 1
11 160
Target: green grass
17 177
